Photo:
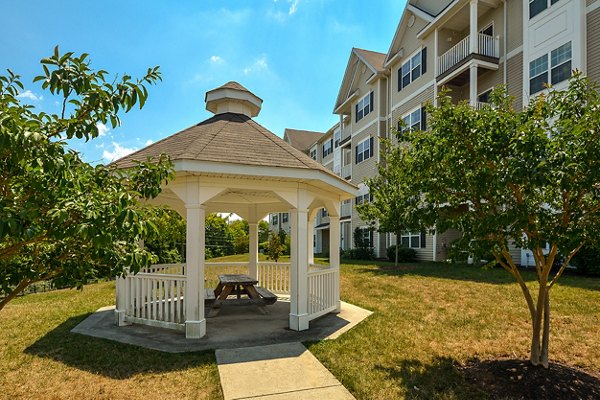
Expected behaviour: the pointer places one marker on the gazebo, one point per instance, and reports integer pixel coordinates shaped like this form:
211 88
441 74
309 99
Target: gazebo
229 163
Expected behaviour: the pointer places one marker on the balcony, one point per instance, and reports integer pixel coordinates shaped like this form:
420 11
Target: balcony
347 171
346 209
487 49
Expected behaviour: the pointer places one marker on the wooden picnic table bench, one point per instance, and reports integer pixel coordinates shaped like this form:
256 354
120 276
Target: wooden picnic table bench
240 285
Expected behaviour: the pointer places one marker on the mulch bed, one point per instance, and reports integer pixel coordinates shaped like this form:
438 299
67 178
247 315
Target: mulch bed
518 379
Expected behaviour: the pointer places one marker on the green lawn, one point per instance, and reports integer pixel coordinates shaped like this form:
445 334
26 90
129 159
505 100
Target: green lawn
427 318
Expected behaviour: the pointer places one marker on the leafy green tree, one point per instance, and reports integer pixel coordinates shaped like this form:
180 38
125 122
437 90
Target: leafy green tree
240 231
219 240
263 231
500 175
168 241
62 219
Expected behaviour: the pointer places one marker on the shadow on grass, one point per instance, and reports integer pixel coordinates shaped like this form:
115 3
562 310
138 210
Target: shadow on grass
440 379
464 272
108 358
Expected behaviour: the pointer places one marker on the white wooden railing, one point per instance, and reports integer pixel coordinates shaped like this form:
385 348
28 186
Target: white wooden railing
346 209
171 269
155 299
274 277
486 45
322 290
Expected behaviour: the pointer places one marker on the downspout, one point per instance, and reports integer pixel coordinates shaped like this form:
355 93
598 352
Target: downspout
504 43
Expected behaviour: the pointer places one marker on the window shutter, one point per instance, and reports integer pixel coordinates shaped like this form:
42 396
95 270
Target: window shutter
423 119
356 155
400 78
356 112
371 101
423 243
371 146
423 60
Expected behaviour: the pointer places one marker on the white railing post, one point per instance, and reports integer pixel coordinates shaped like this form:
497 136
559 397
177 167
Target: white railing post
334 257
195 324
473 85
122 301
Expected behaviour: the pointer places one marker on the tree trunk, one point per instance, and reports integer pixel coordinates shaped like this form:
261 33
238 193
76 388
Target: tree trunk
20 287
546 332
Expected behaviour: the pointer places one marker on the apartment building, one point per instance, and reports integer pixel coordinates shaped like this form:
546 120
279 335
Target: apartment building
469 47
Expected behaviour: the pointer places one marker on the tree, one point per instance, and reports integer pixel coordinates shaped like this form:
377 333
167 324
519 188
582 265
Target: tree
219 240
532 177
275 248
263 231
62 219
168 242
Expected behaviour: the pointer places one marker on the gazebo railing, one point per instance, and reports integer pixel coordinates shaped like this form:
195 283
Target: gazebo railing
322 290
274 277
155 299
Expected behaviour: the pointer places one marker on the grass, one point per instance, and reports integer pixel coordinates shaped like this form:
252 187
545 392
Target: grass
427 318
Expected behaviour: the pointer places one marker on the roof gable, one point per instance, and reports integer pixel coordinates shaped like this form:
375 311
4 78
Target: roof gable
301 139
396 44
369 59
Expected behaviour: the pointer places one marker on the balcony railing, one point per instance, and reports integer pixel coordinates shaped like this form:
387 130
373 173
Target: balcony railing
486 46
346 209
347 171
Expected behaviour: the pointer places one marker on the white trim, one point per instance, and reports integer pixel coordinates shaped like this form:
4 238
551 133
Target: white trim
487 26
367 139
358 132
464 67
345 103
408 60
412 96
514 52
592 7
419 13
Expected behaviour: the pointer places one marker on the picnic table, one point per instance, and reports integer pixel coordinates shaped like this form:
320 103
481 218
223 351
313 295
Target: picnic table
240 285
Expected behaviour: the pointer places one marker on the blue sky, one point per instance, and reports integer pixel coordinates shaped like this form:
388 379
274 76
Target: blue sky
291 53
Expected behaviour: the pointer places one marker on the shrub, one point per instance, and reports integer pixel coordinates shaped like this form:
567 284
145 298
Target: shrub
359 253
405 254
587 261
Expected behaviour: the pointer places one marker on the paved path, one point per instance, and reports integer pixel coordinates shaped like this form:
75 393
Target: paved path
276 372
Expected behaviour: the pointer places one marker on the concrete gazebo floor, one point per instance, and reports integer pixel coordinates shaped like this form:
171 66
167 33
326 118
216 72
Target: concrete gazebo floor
234 327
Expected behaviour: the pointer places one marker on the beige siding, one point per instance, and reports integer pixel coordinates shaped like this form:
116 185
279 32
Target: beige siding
410 44
514 37
367 168
426 253
363 88
515 79
593 45
590 2
419 100
515 252
444 243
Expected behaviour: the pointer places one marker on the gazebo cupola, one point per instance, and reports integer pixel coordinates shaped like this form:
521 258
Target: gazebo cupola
231 164
233 98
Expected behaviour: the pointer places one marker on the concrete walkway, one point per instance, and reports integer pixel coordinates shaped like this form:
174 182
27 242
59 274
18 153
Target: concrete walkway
276 372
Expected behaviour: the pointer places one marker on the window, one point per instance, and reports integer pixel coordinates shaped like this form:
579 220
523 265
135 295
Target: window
362 198
412 69
284 217
313 154
323 212
484 97
413 240
537 6
364 150
413 121
365 238
364 106
274 220
560 68
336 138
327 148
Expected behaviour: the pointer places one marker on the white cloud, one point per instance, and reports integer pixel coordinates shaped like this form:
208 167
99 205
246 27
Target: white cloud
29 95
117 152
293 7
257 66
216 60
148 142
102 129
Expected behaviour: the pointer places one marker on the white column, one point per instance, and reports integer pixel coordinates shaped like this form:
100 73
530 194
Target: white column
473 85
195 324
253 243
334 255
473 39
310 227
299 270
